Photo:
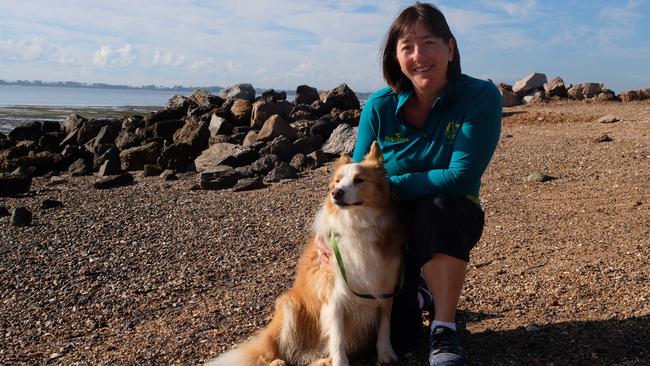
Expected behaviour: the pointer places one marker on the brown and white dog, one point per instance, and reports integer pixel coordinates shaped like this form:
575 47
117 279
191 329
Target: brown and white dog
319 321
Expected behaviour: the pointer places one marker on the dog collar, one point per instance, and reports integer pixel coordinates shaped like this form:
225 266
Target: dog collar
402 273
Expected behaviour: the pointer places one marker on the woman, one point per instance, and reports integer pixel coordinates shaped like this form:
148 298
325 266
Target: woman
437 129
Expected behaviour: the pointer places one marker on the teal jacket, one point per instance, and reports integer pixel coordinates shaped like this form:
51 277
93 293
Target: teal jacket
449 154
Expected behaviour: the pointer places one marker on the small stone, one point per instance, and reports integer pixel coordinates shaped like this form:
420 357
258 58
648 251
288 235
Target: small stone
608 119
55 355
538 178
169 174
604 138
50 203
114 181
56 180
21 217
248 184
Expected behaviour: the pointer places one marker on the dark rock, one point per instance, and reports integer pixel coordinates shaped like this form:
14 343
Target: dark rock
341 141
107 135
23 170
166 129
31 131
245 171
170 114
219 139
110 167
270 95
218 178
323 127
304 112
4 211
135 158
51 126
238 91
194 133
305 94
606 95
127 140
88 129
350 117
603 138
302 162
341 97
539 178
176 157
56 180
151 170
21 216
307 144
50 203
591 90
248 184
205 99
556 88
114 181
630 95
111 153
132 123
282 171
265 164
280 146
179 102
51 141
319 157
79 167
11 185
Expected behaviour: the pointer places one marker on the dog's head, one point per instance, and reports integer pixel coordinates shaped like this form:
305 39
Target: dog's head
358 185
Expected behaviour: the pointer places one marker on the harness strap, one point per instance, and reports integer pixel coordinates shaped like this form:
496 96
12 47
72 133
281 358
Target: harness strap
339 261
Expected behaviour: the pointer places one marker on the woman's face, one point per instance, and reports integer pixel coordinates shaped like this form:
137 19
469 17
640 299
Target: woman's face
423 58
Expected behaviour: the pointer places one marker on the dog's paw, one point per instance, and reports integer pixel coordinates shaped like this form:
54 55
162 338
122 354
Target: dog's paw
277 363
322 362
386 355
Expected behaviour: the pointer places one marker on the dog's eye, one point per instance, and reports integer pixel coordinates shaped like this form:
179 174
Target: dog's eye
358 180
336 181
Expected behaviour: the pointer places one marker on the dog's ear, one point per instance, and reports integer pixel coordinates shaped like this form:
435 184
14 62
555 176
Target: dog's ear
374 155
344 159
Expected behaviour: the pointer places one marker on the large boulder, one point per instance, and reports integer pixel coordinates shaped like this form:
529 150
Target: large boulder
177 157
275 126
280 172
12 184
529 83
194 133
204 98
87 130
238 91
304 112
510 98
241 111
224 153
166 129
644 93
342 140
270 95
575 92
324 126
262 110
305 94
556 88
26 131
179 102
219 126
72 122
127 139
218 177
307 144
630 95
280 146
342 98
591 90
135 158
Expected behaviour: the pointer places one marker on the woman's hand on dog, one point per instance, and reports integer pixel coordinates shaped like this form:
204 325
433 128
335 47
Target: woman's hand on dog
324 252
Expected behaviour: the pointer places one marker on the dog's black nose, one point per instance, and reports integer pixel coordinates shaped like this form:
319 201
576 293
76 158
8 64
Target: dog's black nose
338 193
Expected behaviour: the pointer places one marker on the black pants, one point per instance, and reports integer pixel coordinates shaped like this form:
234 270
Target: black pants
434 224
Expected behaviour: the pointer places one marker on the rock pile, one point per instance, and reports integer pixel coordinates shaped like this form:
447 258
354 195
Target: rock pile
535 87
231 139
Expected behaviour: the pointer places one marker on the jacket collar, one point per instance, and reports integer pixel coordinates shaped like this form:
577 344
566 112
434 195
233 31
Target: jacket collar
441 101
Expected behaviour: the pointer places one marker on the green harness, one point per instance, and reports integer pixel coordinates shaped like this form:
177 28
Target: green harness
339 261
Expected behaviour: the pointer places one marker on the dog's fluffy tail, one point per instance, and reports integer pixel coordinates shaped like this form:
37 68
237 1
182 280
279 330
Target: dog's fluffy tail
261 350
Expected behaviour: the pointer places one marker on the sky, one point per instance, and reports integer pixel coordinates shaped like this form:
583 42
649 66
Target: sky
322 43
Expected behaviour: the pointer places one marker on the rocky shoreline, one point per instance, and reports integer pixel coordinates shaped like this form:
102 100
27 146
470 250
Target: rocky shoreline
162 272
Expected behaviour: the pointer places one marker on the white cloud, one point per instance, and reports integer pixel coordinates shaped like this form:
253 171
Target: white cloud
200 64
519 9
166 58
122 57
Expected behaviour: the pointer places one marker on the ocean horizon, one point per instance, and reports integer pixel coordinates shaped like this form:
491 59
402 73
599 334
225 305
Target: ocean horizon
21 103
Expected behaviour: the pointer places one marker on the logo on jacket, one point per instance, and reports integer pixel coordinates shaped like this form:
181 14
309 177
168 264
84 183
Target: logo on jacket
452 130
396 138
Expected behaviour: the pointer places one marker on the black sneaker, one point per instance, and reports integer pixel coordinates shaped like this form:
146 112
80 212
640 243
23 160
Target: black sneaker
444 348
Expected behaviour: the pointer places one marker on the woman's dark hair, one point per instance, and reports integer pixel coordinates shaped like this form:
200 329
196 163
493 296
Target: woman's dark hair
432 18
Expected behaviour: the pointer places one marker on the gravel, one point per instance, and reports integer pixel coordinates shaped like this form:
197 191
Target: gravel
156 273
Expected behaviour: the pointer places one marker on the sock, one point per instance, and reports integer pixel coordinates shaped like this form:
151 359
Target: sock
436 323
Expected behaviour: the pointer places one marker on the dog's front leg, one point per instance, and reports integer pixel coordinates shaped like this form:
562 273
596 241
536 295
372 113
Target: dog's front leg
333 315
385 353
